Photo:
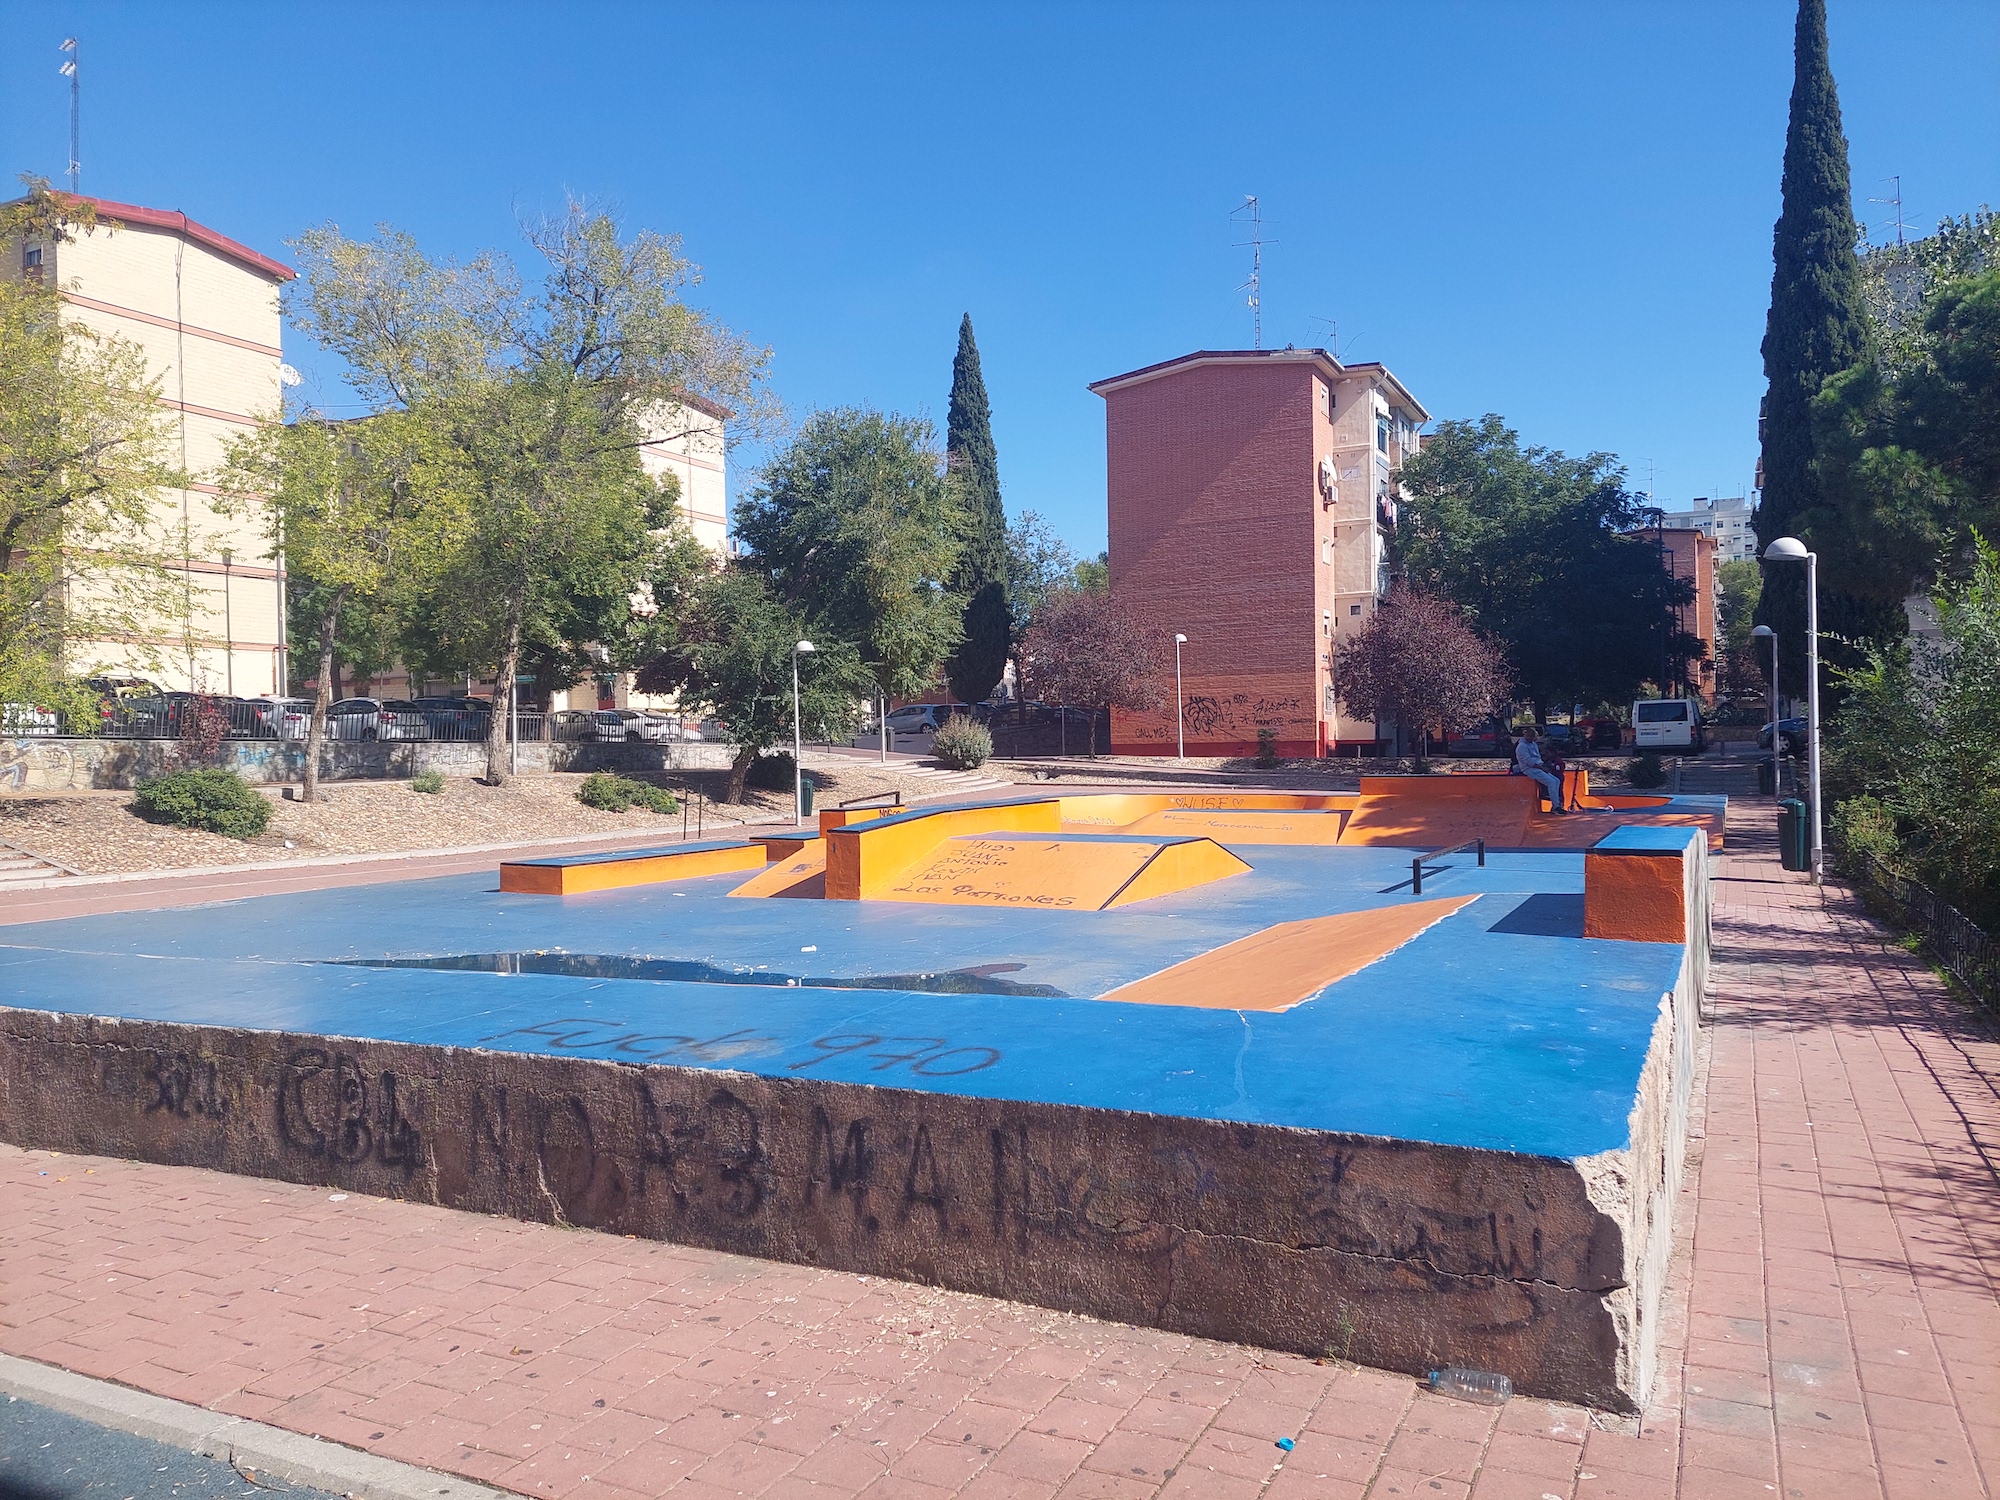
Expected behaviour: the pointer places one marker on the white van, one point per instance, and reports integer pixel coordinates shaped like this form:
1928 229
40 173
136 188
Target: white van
1668 724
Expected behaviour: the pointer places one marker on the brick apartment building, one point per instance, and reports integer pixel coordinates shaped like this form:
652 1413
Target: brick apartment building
1689 552
1250 495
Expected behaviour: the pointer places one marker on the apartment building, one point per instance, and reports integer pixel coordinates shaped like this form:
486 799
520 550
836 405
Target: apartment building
1724 520
1250 497
204 311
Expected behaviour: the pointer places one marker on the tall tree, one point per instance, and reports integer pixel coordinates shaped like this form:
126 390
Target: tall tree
1418 664
84 454
1084 651
1815 327
544 398
1546 554
980 661
857 526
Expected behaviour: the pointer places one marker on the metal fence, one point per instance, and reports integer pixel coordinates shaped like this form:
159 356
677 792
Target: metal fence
169 716
1967 953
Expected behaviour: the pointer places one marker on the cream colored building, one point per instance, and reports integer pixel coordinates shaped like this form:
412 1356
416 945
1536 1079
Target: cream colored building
204 310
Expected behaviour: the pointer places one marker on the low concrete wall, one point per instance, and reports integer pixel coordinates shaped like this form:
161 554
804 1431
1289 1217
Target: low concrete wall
58 764
1397 1254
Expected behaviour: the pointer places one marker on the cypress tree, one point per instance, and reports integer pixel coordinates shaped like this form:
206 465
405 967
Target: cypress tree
981 659
1816 327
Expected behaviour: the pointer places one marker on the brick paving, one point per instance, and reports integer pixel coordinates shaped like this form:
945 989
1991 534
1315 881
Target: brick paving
1832 1330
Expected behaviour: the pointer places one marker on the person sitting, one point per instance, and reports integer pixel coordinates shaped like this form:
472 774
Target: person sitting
1528 761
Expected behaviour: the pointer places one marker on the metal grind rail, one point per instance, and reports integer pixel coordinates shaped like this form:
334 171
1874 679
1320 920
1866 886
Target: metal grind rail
1417 864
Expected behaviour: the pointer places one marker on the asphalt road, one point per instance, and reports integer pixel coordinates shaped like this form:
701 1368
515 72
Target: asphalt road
47 1455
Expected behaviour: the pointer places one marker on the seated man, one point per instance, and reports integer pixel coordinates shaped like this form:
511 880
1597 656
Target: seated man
1528 761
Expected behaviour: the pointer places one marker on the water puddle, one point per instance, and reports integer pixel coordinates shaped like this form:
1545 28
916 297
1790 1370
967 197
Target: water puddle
980 979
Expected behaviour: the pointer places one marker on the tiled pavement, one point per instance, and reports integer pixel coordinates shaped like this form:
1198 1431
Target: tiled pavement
1834 1330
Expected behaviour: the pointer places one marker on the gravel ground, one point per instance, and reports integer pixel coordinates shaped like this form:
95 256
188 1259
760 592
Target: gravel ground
98 833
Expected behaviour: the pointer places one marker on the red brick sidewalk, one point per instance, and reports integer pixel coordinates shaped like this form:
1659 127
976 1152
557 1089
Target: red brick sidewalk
1834 1329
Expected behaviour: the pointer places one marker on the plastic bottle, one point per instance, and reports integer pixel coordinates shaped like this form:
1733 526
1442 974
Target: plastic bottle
1481 1386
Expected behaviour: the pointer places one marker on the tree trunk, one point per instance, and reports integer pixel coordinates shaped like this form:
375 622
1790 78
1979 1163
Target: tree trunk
322 697
1093 734
497 730
739 775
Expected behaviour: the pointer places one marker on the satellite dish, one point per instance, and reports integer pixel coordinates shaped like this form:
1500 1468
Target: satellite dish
288 375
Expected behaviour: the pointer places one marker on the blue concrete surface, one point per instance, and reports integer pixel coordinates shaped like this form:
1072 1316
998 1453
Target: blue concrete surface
1496 1028
1636 838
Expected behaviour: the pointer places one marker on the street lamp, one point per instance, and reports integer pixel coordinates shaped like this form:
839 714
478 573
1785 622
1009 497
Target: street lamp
798 748
1180 713
1766 633
1791 549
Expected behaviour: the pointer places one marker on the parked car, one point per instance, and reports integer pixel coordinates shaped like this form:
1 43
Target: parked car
1794 731
653 728
150 716
1600 734
1668 724
918 718
375 719
1490 738
600 724
451 717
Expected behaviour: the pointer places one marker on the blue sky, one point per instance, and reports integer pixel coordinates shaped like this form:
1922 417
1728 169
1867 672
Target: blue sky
1559 212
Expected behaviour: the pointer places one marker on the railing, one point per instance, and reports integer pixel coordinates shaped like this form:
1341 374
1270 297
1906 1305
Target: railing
1965 952
170 716
1417 864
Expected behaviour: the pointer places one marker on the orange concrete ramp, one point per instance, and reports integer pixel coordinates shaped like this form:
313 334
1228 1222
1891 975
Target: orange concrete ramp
864 861
1117 812
1247 826
801 875
1285 965
574 875
1060 874
1432 812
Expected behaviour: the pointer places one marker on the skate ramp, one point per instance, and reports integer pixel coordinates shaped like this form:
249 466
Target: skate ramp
1061 873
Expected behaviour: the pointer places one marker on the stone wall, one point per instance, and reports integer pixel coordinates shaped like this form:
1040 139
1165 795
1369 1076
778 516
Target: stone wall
61 764
1397 1254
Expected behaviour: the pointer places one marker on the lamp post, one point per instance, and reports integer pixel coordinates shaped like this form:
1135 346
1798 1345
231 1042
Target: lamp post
1180 713
798 747
1766 633
1791 549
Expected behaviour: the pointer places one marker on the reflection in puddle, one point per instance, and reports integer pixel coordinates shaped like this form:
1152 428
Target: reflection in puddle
980 979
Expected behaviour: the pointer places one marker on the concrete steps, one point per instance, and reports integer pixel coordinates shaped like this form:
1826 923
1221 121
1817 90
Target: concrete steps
1732 778
18 866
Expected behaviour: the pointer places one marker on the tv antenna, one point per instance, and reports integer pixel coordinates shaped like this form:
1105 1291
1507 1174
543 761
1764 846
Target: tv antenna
1255 285
1895 199
69 71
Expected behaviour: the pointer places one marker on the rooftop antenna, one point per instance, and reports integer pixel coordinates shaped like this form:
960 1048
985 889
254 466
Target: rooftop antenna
69 71
1255 285
1895 199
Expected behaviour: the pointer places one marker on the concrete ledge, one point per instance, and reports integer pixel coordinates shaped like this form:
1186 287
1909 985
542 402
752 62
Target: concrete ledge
1399 1254
235 1440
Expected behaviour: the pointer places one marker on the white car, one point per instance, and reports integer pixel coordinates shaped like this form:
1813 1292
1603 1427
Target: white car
641 724
375 719
27 719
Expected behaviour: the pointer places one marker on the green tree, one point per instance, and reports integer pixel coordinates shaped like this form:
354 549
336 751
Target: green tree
1093 574
352 507
980 578
1739 584
1898 282
1084 651
1815 328
856 525
543 399
1038 562
85 451
733 659
1419 665
1546 555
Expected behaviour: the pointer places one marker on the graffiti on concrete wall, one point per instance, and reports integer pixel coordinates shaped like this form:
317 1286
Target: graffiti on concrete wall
1229 711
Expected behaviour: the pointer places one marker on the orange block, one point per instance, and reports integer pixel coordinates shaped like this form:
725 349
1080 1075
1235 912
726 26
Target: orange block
840 817
1635 897
1061 874
1431 812
1179 866
1120 812
1248 826
1285 965
782 845
576 877
864 861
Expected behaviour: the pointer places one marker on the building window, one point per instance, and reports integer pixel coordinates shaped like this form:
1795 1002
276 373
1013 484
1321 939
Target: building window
1326 622
1354 609
31 257
1382 433
1326 549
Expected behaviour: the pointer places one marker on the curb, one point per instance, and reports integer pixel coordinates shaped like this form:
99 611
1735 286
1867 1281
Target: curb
236 1440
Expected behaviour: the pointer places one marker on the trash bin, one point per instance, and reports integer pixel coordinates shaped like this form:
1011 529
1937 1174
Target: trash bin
1794 835
1767 778
805 797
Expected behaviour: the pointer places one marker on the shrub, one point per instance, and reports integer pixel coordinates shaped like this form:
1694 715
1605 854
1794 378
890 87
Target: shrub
962 744
427 781
611 793
1645 771
1267 748
1864 825
773 772
212 800
204 726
